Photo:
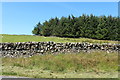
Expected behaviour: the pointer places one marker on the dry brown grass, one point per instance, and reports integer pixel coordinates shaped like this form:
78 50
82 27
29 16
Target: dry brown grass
96 62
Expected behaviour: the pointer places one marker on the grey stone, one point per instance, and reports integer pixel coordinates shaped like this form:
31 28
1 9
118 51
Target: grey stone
31 48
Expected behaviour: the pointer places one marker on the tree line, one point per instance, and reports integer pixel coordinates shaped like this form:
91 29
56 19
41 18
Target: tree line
87 26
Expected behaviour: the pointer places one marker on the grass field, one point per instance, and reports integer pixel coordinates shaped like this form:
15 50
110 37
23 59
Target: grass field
97 64
26 38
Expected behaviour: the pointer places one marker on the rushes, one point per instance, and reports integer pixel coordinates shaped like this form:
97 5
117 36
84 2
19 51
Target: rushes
98 60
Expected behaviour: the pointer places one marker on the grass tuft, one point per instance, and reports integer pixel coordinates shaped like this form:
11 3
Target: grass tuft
98 62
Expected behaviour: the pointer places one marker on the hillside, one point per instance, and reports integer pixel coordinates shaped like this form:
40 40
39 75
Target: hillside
95 64
27 38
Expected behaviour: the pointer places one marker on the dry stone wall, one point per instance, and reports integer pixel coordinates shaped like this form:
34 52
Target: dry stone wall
31 48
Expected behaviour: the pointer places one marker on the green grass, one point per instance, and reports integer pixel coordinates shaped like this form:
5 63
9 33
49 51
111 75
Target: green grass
26 38
97 64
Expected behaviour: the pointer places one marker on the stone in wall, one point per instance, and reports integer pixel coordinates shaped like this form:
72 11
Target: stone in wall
32 48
